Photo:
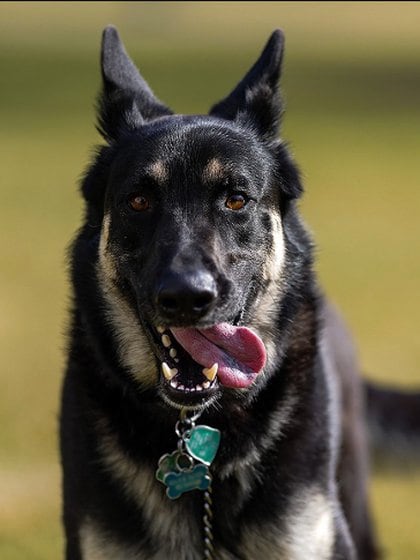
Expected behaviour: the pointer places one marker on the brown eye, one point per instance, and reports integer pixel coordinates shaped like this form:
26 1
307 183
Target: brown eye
236 201
138 203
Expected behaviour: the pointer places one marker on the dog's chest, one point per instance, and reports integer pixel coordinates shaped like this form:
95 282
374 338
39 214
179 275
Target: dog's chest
174 528
97 544
308 537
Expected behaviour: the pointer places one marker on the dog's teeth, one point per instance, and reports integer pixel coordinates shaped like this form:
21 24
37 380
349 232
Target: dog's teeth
172 352
206 384
168 373
192 389
211 373
181 387
166 341
199 387
160 330
174 384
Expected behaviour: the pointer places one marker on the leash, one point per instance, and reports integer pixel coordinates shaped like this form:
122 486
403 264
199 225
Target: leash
188 468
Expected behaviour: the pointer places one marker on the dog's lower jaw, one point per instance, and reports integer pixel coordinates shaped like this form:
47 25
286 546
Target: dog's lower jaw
199 405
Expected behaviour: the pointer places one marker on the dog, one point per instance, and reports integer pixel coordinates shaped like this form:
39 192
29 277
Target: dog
195 296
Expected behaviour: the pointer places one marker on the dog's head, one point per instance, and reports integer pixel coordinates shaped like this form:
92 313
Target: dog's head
193 240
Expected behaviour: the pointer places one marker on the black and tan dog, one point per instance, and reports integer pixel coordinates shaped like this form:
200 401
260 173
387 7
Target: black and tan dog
194 289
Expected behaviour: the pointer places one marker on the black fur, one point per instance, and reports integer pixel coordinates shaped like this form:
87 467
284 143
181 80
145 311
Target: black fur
293 451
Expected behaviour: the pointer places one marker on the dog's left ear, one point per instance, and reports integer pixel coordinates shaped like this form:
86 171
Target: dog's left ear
126 101
256 100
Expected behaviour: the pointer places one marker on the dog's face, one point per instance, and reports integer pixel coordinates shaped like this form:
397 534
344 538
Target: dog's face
192 244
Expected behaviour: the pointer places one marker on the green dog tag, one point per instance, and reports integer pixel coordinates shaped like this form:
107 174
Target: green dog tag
203 444
167 464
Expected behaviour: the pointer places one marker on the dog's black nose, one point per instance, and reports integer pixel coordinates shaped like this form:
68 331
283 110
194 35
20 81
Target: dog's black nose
186 295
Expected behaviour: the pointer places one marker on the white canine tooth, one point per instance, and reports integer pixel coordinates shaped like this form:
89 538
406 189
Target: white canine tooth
174 384
199 387
211 373
166 341
160 330
206 385
172 352
168 373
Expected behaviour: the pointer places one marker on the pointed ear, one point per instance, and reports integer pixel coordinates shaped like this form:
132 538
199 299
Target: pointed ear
126 100
255 100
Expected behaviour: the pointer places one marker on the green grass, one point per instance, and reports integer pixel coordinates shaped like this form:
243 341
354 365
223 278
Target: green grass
352 85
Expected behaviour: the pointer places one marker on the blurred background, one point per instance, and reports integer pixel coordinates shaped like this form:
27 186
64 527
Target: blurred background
352 86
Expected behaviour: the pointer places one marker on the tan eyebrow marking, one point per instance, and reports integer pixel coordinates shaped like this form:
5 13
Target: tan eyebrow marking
158 171
213 170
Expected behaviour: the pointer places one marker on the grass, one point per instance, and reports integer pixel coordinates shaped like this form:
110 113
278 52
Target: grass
352 86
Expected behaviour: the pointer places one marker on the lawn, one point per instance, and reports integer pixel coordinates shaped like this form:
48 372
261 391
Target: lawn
352 90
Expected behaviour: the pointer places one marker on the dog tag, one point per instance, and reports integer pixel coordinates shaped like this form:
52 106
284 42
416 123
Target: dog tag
174 462
179 482
203 444
167 464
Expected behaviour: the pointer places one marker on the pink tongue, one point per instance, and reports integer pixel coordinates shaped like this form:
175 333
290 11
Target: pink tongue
239 352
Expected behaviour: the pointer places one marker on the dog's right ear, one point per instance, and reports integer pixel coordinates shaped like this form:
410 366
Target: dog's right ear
126 101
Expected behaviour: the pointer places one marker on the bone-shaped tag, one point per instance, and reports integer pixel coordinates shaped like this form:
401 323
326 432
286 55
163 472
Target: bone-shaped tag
179 482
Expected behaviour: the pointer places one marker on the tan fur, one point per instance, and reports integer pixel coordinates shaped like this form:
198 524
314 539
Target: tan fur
266 308
158 171
168 522
213 171
96 545
134 349
310 527
307 535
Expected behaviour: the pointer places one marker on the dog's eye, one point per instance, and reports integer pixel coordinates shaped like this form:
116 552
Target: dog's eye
138 203
236 201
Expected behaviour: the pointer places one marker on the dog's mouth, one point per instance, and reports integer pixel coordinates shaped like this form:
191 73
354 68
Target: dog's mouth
195 362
